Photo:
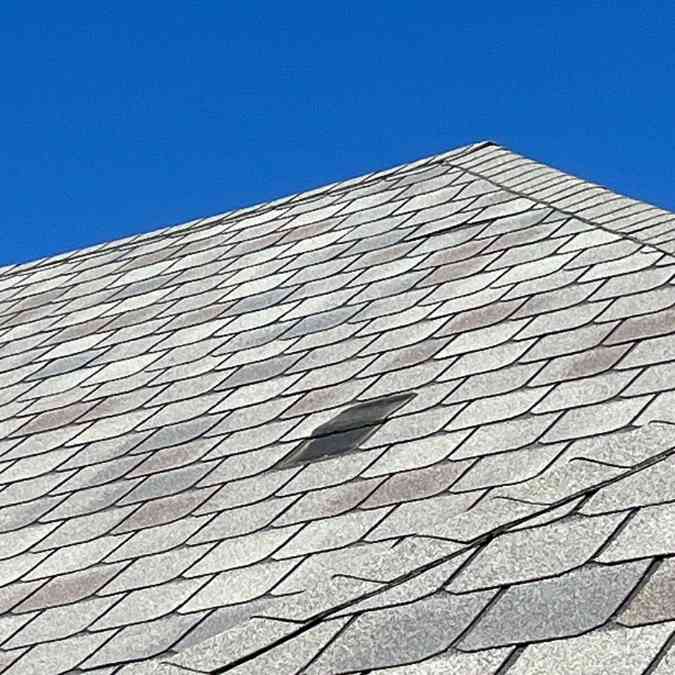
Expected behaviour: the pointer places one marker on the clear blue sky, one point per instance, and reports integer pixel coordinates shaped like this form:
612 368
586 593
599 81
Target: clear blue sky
121 117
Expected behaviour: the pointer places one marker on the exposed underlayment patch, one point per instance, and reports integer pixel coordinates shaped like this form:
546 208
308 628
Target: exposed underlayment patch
347 430
418 422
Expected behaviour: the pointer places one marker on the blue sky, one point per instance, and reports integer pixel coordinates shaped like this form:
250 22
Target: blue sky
118 118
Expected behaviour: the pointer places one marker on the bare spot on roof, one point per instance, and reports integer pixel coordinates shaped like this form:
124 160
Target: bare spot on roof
347 430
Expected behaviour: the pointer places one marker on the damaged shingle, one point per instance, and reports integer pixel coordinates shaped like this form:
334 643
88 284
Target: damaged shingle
347 430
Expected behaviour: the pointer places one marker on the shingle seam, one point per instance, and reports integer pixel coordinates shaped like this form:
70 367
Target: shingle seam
552 203
661 655
510 660
499 593
642 582
315 658
477 542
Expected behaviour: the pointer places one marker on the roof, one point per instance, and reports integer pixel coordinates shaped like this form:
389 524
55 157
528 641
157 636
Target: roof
419 422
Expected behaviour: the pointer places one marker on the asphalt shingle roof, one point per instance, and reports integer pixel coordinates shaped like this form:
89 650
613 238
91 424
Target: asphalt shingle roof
207 463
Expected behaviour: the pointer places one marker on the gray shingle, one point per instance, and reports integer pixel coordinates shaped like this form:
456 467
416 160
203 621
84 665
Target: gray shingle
59 657
42 442
416 484
660 409
239 585
507 467
585 392
640 303
9 625
536 553
150 603
414 426
110 427
614 650
75 557
655 600
486 360
329 533
154 569
431 517
53 419
165 510
644 280
142 641
31 467
33 488
89 500
582 364
500 407
652 379
416 454
420 584
327 502
651 485
122 368
179 411
221 620
667 661
627 448
596 419
101 472
487 662
572 604
173 457
329 472
328 397
482 338
407 633
13 594
630 263
651 532
480 317
569 342
60 622
69 588
168 482
646 326
238 642
83 528
503 436
243 550
247 490
249 463
245 422
158 538
242 520
283 660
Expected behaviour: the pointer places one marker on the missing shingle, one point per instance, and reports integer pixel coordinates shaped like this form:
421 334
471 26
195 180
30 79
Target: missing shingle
347 430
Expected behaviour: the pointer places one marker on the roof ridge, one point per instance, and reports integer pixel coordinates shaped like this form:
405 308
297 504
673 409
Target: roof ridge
584 200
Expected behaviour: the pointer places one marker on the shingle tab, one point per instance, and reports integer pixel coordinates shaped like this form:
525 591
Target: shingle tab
612 651
574 603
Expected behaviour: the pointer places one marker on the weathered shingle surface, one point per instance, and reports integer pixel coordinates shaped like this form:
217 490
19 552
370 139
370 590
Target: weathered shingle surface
517 514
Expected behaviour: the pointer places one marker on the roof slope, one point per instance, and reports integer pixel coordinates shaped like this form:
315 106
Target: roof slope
163 511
